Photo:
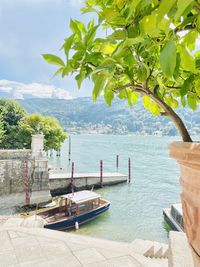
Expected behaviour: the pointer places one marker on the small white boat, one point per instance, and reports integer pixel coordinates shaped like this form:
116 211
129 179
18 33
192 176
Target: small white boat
174 217
73 210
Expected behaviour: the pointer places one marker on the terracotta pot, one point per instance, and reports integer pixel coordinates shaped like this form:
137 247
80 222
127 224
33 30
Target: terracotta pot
188 157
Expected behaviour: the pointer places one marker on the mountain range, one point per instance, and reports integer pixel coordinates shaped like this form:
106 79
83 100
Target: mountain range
82 115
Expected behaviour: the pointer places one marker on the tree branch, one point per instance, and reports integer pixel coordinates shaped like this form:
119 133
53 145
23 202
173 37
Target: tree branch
135 87
173 87
168 111
147 80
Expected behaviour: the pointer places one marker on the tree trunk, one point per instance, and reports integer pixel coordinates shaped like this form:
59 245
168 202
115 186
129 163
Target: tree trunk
173 116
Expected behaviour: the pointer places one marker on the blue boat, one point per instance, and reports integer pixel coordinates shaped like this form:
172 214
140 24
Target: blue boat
73 210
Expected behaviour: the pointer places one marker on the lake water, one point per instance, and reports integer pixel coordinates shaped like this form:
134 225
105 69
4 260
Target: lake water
136 208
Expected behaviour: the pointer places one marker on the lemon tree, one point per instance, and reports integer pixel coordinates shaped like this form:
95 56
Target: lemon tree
148 50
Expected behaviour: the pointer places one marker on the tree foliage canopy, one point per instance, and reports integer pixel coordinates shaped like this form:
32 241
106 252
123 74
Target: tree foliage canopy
16 127
11 113
147 50
49 126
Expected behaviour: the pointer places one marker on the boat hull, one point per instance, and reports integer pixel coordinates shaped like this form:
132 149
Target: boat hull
81 219
170 221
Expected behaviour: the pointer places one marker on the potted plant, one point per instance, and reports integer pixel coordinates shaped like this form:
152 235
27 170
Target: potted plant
145 49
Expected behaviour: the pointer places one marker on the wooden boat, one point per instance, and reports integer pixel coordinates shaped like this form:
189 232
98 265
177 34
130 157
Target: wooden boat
174 217
73 210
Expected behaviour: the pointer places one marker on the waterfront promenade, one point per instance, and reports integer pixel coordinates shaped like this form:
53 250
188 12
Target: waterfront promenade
35 247
25 243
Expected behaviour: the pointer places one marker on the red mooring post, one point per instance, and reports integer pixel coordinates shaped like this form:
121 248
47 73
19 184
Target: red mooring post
101 173
27 196
117 162
129 170
72 179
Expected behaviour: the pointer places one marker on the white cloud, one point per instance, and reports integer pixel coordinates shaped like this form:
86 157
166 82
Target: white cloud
19 90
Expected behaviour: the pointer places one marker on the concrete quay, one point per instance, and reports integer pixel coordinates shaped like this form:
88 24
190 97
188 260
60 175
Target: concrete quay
36 247
25 243
60 182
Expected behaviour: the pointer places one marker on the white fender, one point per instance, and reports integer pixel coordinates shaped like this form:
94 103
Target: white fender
76 225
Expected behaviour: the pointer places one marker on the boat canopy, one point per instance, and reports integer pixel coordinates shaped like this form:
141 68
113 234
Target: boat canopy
81 196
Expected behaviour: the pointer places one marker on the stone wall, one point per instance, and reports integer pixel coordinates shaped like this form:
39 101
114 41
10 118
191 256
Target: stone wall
60 183
12 174
12 170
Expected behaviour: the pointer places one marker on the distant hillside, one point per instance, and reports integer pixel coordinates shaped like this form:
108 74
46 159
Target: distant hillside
82 115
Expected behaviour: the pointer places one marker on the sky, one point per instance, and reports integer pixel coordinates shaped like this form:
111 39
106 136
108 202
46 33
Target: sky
29 28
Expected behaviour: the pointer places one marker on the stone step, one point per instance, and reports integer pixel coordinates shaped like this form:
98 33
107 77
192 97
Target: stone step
150 252
149 262
161 250
141 246
149 248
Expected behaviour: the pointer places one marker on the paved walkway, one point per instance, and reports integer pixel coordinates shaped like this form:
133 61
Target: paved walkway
37 247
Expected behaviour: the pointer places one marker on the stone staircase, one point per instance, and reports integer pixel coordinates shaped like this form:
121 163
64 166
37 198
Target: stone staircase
149 253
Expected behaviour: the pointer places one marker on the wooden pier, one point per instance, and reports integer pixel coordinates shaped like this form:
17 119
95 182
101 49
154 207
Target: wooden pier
60 182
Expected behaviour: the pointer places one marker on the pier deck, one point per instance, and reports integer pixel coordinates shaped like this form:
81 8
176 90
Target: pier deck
59 181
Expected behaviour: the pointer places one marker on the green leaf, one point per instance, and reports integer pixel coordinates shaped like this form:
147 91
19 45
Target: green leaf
129 60
90 24
146 102
183 101
89 37
121 48
149 24
189 39
80 26
107 48
99 84
181 7
132 41
143 72
117 35
59 71
94 58
52 59
122 94
168 58
164 25
133 31
174 103
66 71
154 109
74 27
88 9
198 22
197 87
186 85
91 2
187 60
192 101
67 45
80 77
78 55
134 97
164 8
108 94
129 96
133 6
177 68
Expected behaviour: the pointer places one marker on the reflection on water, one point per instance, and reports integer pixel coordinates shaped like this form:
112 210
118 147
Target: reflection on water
136 208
